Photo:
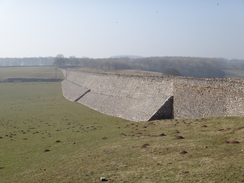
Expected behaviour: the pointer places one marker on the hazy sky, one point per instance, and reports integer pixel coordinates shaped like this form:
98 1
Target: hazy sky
104 28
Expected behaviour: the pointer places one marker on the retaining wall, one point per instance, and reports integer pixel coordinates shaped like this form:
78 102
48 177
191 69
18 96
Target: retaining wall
198 98
198 102
143 98
130 97
72 91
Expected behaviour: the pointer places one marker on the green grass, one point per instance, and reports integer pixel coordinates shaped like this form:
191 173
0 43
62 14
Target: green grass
29 72
34 116
238 74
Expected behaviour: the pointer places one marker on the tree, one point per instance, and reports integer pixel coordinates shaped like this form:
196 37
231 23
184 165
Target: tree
74 62
60 61
172 71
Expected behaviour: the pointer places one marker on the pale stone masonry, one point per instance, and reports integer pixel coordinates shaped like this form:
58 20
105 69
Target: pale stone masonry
144 98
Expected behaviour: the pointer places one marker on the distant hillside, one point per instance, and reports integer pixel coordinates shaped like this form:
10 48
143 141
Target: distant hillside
127 56
184 66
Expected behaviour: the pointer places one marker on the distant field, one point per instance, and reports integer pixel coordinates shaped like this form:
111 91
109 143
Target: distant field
125 71
239 74
140 72
236 74
45 138
30 72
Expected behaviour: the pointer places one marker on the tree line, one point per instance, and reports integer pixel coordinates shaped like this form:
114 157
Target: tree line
26 61
180 66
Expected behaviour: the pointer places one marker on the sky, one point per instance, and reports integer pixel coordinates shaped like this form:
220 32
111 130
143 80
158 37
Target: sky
104 28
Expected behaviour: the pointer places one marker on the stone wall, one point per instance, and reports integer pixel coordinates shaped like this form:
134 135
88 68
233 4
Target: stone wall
198 102
143 98
235 103
130 97
198 98
73 91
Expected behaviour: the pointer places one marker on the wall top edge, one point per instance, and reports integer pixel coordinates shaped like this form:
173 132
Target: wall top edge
167 77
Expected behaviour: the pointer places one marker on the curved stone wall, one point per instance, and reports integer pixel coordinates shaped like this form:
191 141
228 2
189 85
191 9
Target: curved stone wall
130 97
143 98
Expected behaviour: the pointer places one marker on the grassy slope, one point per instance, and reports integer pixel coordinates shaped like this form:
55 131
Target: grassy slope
239 74
35 115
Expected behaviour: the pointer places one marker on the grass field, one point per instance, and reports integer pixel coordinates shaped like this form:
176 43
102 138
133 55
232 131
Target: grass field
45 138
30 72
85 145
